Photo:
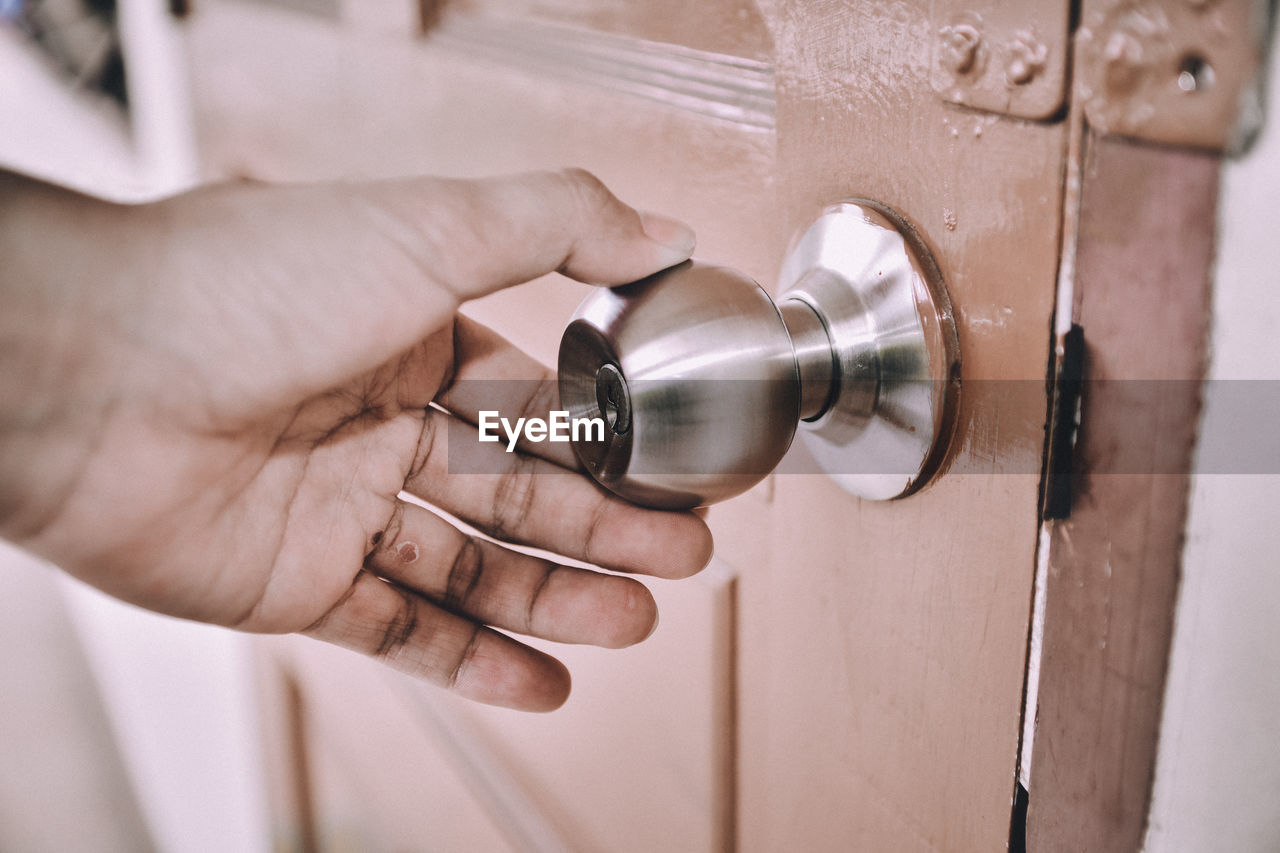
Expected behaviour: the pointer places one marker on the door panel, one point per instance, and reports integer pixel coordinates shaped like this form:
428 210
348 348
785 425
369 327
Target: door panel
354 768
871 655
885 656
640 757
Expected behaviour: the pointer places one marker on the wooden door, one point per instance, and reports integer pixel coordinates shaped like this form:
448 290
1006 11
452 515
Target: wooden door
848 675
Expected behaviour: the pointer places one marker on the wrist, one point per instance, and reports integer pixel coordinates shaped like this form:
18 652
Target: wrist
54 387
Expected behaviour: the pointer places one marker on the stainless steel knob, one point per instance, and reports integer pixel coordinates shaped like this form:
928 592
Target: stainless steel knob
702 380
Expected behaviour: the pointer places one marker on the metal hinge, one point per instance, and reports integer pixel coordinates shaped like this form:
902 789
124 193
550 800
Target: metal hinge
1178 72
1008 58
1065 398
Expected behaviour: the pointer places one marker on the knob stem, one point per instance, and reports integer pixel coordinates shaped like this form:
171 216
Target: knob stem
815 357
879 295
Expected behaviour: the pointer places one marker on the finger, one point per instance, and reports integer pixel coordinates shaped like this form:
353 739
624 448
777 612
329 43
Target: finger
520 498
494 375
500 587
343 276
413 635
484 235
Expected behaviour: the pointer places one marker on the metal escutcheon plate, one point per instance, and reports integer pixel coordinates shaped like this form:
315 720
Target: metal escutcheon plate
874 284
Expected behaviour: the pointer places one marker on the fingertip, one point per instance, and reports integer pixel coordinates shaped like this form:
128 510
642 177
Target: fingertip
610 242
708 546
674 239
512 675
550 693
698 550
636 615
661 543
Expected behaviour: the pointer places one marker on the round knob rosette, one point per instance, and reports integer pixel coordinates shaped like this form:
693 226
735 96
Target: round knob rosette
692 373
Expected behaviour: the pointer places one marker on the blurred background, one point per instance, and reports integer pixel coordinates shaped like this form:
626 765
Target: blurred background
123 730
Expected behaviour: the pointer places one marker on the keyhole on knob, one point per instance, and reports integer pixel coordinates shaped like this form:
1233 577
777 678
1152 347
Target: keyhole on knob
613 399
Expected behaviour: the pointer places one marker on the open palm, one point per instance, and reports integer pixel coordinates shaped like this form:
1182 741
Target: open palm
276 366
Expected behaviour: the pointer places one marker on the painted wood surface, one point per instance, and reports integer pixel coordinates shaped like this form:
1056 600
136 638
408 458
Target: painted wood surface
878 648
360 770
886 660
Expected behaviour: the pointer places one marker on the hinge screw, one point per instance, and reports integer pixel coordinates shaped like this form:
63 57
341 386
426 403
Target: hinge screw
959 45
1122 63
1026 59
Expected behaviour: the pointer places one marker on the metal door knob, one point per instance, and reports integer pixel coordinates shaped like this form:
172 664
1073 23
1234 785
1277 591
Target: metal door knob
702 380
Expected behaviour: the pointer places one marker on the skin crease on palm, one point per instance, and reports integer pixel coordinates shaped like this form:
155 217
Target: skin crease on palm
209 405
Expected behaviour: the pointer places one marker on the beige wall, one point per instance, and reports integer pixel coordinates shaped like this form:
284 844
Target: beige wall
1217 781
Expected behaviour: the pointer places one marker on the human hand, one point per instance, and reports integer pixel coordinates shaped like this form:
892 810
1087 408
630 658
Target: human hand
211 403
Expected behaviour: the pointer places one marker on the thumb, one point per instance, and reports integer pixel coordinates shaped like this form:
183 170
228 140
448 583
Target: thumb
312 285
479 236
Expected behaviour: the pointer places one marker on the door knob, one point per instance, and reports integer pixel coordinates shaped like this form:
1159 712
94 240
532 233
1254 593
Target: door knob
702 380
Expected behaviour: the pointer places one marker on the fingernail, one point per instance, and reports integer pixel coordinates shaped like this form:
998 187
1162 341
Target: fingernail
676 238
